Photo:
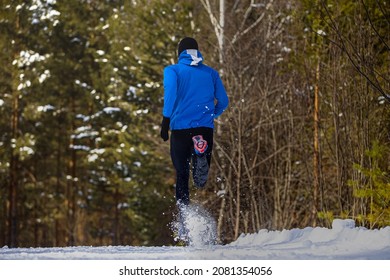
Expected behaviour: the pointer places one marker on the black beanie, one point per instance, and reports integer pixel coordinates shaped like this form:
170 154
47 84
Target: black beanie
186 44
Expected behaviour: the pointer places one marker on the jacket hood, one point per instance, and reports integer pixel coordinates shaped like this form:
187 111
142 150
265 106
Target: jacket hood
191 57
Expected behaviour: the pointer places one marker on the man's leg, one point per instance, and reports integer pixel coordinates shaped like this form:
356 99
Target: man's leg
201 161
181 156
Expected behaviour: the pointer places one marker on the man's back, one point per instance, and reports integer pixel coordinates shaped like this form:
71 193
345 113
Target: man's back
190 91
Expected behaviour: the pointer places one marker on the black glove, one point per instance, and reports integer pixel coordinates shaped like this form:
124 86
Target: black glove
164 128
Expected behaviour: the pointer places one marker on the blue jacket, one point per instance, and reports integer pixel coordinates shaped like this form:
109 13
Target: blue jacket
193 93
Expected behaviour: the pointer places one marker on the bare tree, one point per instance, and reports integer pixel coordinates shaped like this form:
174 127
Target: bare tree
255 149
367 66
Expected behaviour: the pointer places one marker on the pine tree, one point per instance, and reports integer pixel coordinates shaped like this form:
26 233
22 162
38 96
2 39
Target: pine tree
19 73
375 188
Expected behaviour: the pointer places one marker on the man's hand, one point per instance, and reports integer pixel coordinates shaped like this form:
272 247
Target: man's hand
165 128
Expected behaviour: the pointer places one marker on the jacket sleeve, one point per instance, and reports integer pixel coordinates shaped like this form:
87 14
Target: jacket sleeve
220 96
170 91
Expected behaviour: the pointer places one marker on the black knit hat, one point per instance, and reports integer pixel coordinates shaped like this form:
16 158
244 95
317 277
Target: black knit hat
187 43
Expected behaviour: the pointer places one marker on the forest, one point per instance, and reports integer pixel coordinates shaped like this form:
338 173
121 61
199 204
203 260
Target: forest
305 139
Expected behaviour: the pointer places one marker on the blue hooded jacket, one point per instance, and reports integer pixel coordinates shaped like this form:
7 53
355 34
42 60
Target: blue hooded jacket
193 93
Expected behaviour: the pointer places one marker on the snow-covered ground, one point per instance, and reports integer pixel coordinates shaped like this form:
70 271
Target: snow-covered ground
343 241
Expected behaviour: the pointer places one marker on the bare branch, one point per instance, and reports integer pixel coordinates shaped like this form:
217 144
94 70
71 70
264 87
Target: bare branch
239 33
373 26
358 66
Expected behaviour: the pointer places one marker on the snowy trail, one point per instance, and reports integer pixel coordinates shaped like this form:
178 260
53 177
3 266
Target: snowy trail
342 241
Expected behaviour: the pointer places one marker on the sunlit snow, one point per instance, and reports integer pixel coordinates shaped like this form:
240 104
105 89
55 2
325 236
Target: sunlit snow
342 241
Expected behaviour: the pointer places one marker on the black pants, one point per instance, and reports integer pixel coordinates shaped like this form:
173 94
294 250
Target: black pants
182 154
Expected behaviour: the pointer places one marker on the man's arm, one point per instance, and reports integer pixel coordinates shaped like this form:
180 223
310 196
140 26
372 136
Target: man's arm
170 93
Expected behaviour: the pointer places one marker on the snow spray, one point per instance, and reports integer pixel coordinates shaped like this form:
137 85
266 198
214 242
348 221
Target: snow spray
199 226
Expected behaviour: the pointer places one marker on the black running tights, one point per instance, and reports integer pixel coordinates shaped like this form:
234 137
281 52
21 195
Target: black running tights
182 152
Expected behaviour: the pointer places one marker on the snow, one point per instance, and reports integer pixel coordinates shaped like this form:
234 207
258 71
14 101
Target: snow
343 241
45 108
342 251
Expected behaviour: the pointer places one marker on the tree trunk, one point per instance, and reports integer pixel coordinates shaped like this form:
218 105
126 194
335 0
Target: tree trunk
71 183
13 175
316 157
14 159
